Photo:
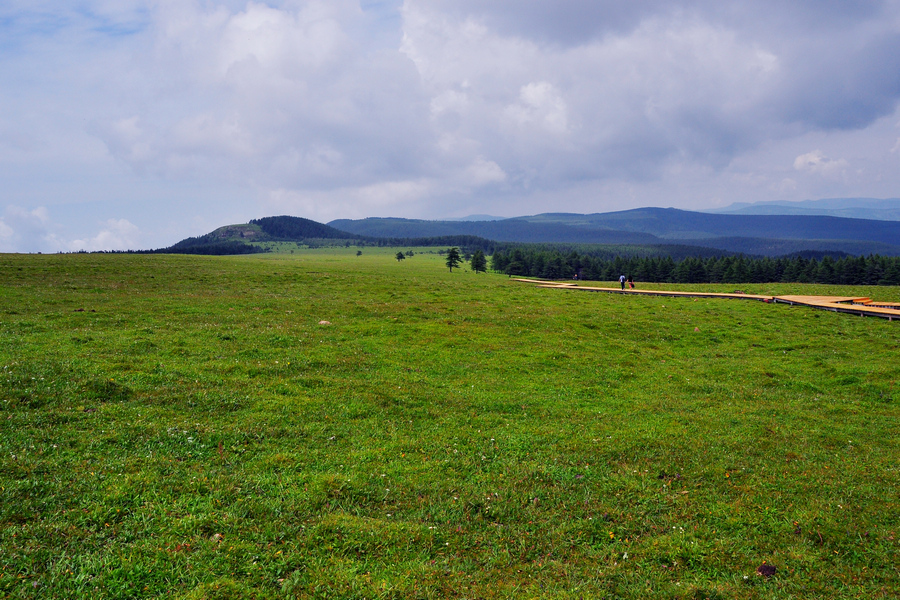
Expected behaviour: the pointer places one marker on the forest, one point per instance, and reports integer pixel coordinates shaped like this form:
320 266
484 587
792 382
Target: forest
553 264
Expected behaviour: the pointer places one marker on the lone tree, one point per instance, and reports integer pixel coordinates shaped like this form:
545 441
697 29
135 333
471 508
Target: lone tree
479 262
453 258
400 256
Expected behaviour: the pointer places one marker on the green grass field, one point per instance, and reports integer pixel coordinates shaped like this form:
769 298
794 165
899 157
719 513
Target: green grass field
176 426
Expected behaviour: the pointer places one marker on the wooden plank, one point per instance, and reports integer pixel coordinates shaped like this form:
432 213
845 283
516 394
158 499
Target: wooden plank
827 299
841 305
667 293
857 305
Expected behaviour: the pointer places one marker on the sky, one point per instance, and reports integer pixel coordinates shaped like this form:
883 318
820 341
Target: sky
128 124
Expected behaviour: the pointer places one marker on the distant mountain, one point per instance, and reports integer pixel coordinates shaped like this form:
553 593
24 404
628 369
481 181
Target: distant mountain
519 229
854 208
763 235
478 218
769 235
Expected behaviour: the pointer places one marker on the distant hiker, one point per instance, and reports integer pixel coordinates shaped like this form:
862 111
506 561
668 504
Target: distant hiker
622 281
631 282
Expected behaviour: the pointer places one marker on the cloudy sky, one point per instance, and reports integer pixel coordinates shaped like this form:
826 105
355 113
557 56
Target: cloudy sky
136 123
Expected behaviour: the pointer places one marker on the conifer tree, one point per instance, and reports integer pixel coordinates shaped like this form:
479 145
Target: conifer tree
479 262
453 258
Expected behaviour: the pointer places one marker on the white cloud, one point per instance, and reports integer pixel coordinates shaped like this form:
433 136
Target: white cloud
24 230
541 104
276 96
816 162
483 172
280 40
117 234
618 106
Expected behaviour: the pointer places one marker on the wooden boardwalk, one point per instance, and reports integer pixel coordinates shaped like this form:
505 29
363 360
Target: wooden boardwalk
853 305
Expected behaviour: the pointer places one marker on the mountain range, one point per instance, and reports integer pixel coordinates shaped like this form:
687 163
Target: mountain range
881 209
754 234
769 235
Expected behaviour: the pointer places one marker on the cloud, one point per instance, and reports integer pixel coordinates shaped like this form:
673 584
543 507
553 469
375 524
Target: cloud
305 96
576 22
835 86
276 96
540 104
364 200
117 234
23 230
6 237
613 107
816 162
420 107
482 172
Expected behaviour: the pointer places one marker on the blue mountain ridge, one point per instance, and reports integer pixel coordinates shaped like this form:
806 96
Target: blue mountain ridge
753 234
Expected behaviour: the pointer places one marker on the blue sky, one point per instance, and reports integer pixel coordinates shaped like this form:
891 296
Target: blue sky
136 123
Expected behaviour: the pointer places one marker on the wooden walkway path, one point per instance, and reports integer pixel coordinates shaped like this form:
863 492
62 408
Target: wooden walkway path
853 305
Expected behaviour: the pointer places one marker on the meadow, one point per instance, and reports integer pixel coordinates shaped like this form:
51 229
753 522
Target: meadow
326 425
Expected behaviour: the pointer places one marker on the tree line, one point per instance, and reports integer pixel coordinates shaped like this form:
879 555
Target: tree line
552 264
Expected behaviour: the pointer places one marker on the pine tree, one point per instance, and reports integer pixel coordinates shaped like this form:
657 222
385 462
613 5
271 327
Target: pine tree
479 262
453 258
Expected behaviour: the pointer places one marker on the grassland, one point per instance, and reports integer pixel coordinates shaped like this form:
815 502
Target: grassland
176 426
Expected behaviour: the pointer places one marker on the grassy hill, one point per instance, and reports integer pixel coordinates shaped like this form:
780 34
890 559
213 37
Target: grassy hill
263 235
331 425
246 238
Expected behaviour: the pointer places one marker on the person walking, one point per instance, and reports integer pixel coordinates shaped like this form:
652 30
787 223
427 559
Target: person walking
622 281
631 282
